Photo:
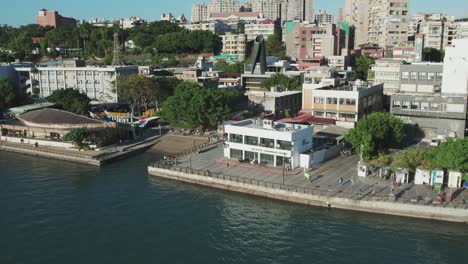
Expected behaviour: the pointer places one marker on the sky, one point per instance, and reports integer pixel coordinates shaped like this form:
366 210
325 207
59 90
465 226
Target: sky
22 12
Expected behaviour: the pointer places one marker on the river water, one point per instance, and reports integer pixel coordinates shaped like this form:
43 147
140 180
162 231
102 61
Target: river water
60 212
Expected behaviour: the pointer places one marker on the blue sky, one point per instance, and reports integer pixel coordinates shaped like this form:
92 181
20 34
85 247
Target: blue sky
22 12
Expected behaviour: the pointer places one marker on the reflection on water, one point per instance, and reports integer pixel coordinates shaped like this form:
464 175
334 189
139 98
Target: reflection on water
60 212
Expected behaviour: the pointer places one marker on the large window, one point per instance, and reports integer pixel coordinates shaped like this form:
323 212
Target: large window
405 75
347 101
267 159
319 100
396 104
251 140
332 100
431 76
234 138
423 76
236 154
414 75
414 105
285 145
439 76
267 143
251 156
424 106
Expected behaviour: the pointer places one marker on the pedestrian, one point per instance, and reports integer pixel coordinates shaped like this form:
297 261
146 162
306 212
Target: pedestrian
36 144
227 164
22 140
341 180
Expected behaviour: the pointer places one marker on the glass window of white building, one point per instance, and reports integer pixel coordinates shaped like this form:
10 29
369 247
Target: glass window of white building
267 159
267 142
251 140
236 154
234 138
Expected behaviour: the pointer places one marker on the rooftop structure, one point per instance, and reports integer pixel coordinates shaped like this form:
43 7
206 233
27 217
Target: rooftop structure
46 18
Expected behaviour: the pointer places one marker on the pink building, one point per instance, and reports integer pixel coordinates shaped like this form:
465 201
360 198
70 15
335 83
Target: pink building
312 44
53 19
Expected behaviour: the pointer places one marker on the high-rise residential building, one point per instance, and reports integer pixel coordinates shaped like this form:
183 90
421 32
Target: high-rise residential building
311 44
271 9
455 81
382 22
388 22
438 29
223 6
322 17
300 10
199 12
53 19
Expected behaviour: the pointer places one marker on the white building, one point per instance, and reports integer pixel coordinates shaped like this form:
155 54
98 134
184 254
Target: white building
455 77
131 22
265 28
96 82
387 71
268 142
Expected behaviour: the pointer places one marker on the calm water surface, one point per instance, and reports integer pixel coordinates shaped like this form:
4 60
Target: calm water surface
59 212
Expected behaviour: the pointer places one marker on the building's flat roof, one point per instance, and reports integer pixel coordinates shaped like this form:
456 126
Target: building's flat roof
26 108
272 94
276 126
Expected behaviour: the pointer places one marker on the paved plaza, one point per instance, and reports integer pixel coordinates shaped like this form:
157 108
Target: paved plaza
325 178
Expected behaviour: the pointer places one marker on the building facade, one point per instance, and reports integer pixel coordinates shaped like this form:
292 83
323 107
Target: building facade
96 82
46 18
387 71
455 82
265 28
199 12
322 17
344 103
268 142
307 42
281 104
235 44
421 78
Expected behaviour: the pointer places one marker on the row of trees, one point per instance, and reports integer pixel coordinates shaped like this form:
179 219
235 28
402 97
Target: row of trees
161 36
229 67
195 107
451 155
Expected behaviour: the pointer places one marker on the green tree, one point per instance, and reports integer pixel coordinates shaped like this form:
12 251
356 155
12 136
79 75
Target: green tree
452 155
77 136
282 82
363 65
274 47
202 107
433 55
70 100
229 67
8 94
376 133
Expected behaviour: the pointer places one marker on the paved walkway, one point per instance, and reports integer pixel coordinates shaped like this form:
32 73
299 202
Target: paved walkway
325 178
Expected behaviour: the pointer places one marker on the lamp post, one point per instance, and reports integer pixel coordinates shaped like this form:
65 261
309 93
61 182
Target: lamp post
284 163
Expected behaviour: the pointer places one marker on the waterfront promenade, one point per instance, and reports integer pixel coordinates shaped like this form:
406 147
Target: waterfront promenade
91 157
323 189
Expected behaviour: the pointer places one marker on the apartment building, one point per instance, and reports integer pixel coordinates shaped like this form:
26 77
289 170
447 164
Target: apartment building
97 83
265 28
267 142
322 17
346 103
235 44
199 12
311 42
216 27
223 6
381 22
271 9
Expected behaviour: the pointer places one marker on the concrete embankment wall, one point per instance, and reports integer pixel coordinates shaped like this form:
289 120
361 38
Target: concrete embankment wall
51 155
399 209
